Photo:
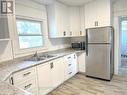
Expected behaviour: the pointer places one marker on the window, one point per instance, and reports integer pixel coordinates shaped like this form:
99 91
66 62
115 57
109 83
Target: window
29 33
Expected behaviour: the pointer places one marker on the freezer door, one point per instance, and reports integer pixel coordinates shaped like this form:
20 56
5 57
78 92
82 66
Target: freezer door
99 35
98 61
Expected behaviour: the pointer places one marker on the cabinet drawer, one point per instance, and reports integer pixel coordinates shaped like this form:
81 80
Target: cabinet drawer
70 64
24 75
70 71
29 85
68 59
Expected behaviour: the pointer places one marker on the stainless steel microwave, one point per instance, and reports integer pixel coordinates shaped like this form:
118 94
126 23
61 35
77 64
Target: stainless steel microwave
78 45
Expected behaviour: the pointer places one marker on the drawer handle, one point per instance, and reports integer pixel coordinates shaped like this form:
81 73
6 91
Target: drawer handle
26 74
28 86
70 73
69 57
12 81
69 64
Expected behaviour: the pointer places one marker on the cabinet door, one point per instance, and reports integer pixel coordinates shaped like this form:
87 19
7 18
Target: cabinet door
75 63
62 18
81 62
65 20
44 79
91 16
104 13
75 21
82 21
57 72
59 17
58 20
98 13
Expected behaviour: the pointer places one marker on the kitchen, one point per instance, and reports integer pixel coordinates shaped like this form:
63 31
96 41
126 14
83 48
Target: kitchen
46 47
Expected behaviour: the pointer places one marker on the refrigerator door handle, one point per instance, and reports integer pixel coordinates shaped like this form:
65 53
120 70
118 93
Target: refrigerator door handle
86 42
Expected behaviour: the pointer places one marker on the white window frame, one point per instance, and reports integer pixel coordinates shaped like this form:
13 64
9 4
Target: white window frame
16 44
41 23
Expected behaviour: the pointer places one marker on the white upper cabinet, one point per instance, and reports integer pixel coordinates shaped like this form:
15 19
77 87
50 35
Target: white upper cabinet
82 21
75 21
58 20
98 13
65 21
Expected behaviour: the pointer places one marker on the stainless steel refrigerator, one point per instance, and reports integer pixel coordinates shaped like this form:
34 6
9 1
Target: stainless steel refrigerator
100 52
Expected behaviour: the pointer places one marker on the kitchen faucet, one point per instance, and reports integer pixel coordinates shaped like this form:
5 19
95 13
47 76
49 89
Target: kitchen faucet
36 54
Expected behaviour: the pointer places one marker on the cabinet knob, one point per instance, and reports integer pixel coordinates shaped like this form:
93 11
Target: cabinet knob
74 56
64 33
96 23
71 33
51 65
80 32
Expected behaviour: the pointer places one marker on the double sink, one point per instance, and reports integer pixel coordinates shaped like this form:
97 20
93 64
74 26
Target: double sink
40 57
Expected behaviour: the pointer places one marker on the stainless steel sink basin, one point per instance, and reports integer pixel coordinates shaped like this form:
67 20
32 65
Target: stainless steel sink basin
35 59
46 56
40 57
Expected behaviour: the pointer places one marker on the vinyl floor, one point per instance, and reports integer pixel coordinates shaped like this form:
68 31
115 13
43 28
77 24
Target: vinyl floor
82 85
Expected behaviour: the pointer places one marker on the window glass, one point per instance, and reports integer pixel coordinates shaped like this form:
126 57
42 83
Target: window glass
29 33
28 27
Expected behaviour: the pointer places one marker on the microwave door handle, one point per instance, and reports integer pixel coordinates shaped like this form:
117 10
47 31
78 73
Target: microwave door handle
86 42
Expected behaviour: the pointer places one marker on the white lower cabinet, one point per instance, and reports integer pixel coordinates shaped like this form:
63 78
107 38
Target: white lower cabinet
50 75
44 78
70 65
81 62
26 80
58 72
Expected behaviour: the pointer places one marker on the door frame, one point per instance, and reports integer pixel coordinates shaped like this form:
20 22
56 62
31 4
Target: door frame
121 18
117 48
117 42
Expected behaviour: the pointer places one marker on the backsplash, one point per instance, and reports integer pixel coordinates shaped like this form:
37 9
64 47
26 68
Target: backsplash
78 39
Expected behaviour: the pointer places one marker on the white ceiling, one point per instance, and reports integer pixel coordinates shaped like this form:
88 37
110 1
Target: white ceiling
43 1
74 2
68 2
